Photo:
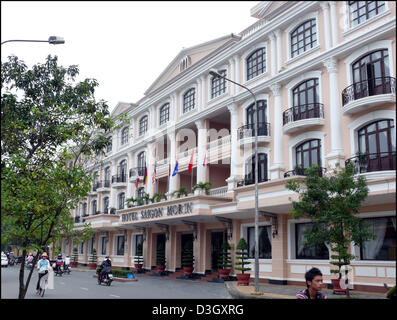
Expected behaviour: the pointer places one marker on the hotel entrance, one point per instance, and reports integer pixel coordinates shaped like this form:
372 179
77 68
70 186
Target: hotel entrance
185 239
217 239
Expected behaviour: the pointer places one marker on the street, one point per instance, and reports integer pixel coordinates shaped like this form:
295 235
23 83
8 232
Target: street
82 285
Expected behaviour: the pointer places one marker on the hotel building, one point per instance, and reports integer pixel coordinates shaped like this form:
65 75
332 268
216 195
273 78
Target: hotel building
323 74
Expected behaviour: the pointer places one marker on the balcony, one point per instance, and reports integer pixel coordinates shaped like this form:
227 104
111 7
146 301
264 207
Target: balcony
299 171
246 134
119 181
134 173
303 116
250 180
103 186
368 93
372 162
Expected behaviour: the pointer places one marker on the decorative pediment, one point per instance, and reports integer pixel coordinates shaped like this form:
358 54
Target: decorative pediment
270 9
187 58
121 107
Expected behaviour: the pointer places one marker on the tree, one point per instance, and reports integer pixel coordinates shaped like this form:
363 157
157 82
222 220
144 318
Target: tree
242 256
225 261
331 203
48 124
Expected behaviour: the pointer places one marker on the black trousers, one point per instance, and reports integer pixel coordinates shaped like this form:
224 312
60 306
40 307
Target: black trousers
40 276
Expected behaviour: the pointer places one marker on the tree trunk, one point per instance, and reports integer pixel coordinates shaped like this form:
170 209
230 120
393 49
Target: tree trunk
23 288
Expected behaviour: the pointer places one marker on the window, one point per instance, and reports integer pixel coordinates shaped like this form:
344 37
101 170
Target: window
120 245
383 247
92 242
107 177
84 209
218 85
262 105
361 11
143 125
141 162
104 243
121 199
106 205
188 100
139 245
305 100
265 242
122 171
164 114
109 146
124 136
141 192
81 247
318 251
250 169
308 154
93 207
256 63
303 37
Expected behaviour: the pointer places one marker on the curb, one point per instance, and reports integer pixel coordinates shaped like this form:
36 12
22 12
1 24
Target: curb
118 279
236 294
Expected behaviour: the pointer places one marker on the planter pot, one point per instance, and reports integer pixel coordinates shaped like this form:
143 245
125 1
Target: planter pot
92 266
243 279
138 267
73 264
337 288
160 269
224 273
187 271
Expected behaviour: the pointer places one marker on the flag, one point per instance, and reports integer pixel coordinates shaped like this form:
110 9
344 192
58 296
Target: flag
154 174
137 183
176 169
205 157
191 162
145 178
169 169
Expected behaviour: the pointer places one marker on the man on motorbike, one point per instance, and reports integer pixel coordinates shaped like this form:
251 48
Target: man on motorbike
59 263
105 267
66 263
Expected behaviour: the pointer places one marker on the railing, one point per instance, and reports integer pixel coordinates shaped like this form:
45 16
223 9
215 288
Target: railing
186 153
374 161
250 180
253 28
138 171
96 213
370 87
105 211
219 142
218 192
106 184
305 111
249 131
119 178
77 219
299 171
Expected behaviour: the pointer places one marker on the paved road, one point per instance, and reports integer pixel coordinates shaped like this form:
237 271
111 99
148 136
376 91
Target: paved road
82 285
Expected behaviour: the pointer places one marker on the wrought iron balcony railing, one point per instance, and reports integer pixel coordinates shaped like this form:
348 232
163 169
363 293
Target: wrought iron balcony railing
305 111
299 171
249 131
370 87
77 219
250 180
374 161
119 178
138 171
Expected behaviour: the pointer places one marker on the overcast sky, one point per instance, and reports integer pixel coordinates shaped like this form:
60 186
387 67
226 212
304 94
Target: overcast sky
124 45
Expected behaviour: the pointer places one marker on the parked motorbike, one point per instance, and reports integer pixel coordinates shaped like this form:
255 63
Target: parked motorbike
106 278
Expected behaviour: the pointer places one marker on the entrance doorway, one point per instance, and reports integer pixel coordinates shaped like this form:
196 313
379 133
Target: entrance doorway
217 239
185 238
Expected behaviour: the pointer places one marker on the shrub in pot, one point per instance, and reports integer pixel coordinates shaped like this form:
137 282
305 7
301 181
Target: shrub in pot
203 186
181 191
242 257
75 258
225 261
188 259
93 260
160 258
138 259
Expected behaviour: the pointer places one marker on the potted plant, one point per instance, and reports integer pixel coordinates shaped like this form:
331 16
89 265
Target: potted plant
138 259
93 260
224 262
146 198
188 259
160 258
75 258
180 191
158 197
242 257
130 202
205 186
112 211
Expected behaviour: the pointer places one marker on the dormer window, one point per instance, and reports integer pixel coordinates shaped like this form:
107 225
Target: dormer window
185 63
189 100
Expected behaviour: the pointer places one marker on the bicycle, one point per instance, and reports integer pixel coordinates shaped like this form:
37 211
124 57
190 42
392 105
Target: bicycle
43 285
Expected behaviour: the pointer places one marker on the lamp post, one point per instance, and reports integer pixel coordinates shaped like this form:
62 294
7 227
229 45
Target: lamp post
51 40
214 73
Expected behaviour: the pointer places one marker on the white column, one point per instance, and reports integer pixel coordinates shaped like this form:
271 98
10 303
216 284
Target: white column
150 162
327 33
203 91
273 55
277 166
237 73
129 184
113 191
201 134
334 23
174 106
232 76
279 51
172 185
335 113
199 94
234 154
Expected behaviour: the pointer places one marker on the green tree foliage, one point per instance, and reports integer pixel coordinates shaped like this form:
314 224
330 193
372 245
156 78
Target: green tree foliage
160 255
187 256
225 261
242 256
331 203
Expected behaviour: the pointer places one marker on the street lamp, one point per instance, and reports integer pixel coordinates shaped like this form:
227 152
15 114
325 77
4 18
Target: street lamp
215 73
51 40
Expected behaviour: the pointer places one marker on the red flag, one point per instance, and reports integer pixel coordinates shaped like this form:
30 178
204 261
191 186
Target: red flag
191 162
137 183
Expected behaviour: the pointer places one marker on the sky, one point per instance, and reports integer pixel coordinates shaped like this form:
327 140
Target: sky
124 45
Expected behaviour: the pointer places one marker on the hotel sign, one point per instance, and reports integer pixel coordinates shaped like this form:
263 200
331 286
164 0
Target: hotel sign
168 211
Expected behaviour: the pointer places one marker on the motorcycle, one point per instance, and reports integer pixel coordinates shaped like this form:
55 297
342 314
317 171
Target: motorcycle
106 278
29 265
11 261
66 269
58 270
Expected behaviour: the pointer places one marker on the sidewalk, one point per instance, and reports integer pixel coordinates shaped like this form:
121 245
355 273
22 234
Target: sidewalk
272 291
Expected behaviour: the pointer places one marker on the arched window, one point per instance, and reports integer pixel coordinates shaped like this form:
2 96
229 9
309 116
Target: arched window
377 141
141 163
361 11
109 146
304 37
218 85
308 154
121 199
122 171
189 100
124 136
143 125
84 209
305 100
256 63
250 169
106 205
263 128
107 177
93 207
164 114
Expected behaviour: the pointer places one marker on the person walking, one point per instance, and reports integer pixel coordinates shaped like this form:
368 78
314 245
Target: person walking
314 282
43 267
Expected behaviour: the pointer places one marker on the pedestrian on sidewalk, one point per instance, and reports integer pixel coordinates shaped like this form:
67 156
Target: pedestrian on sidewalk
314 282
